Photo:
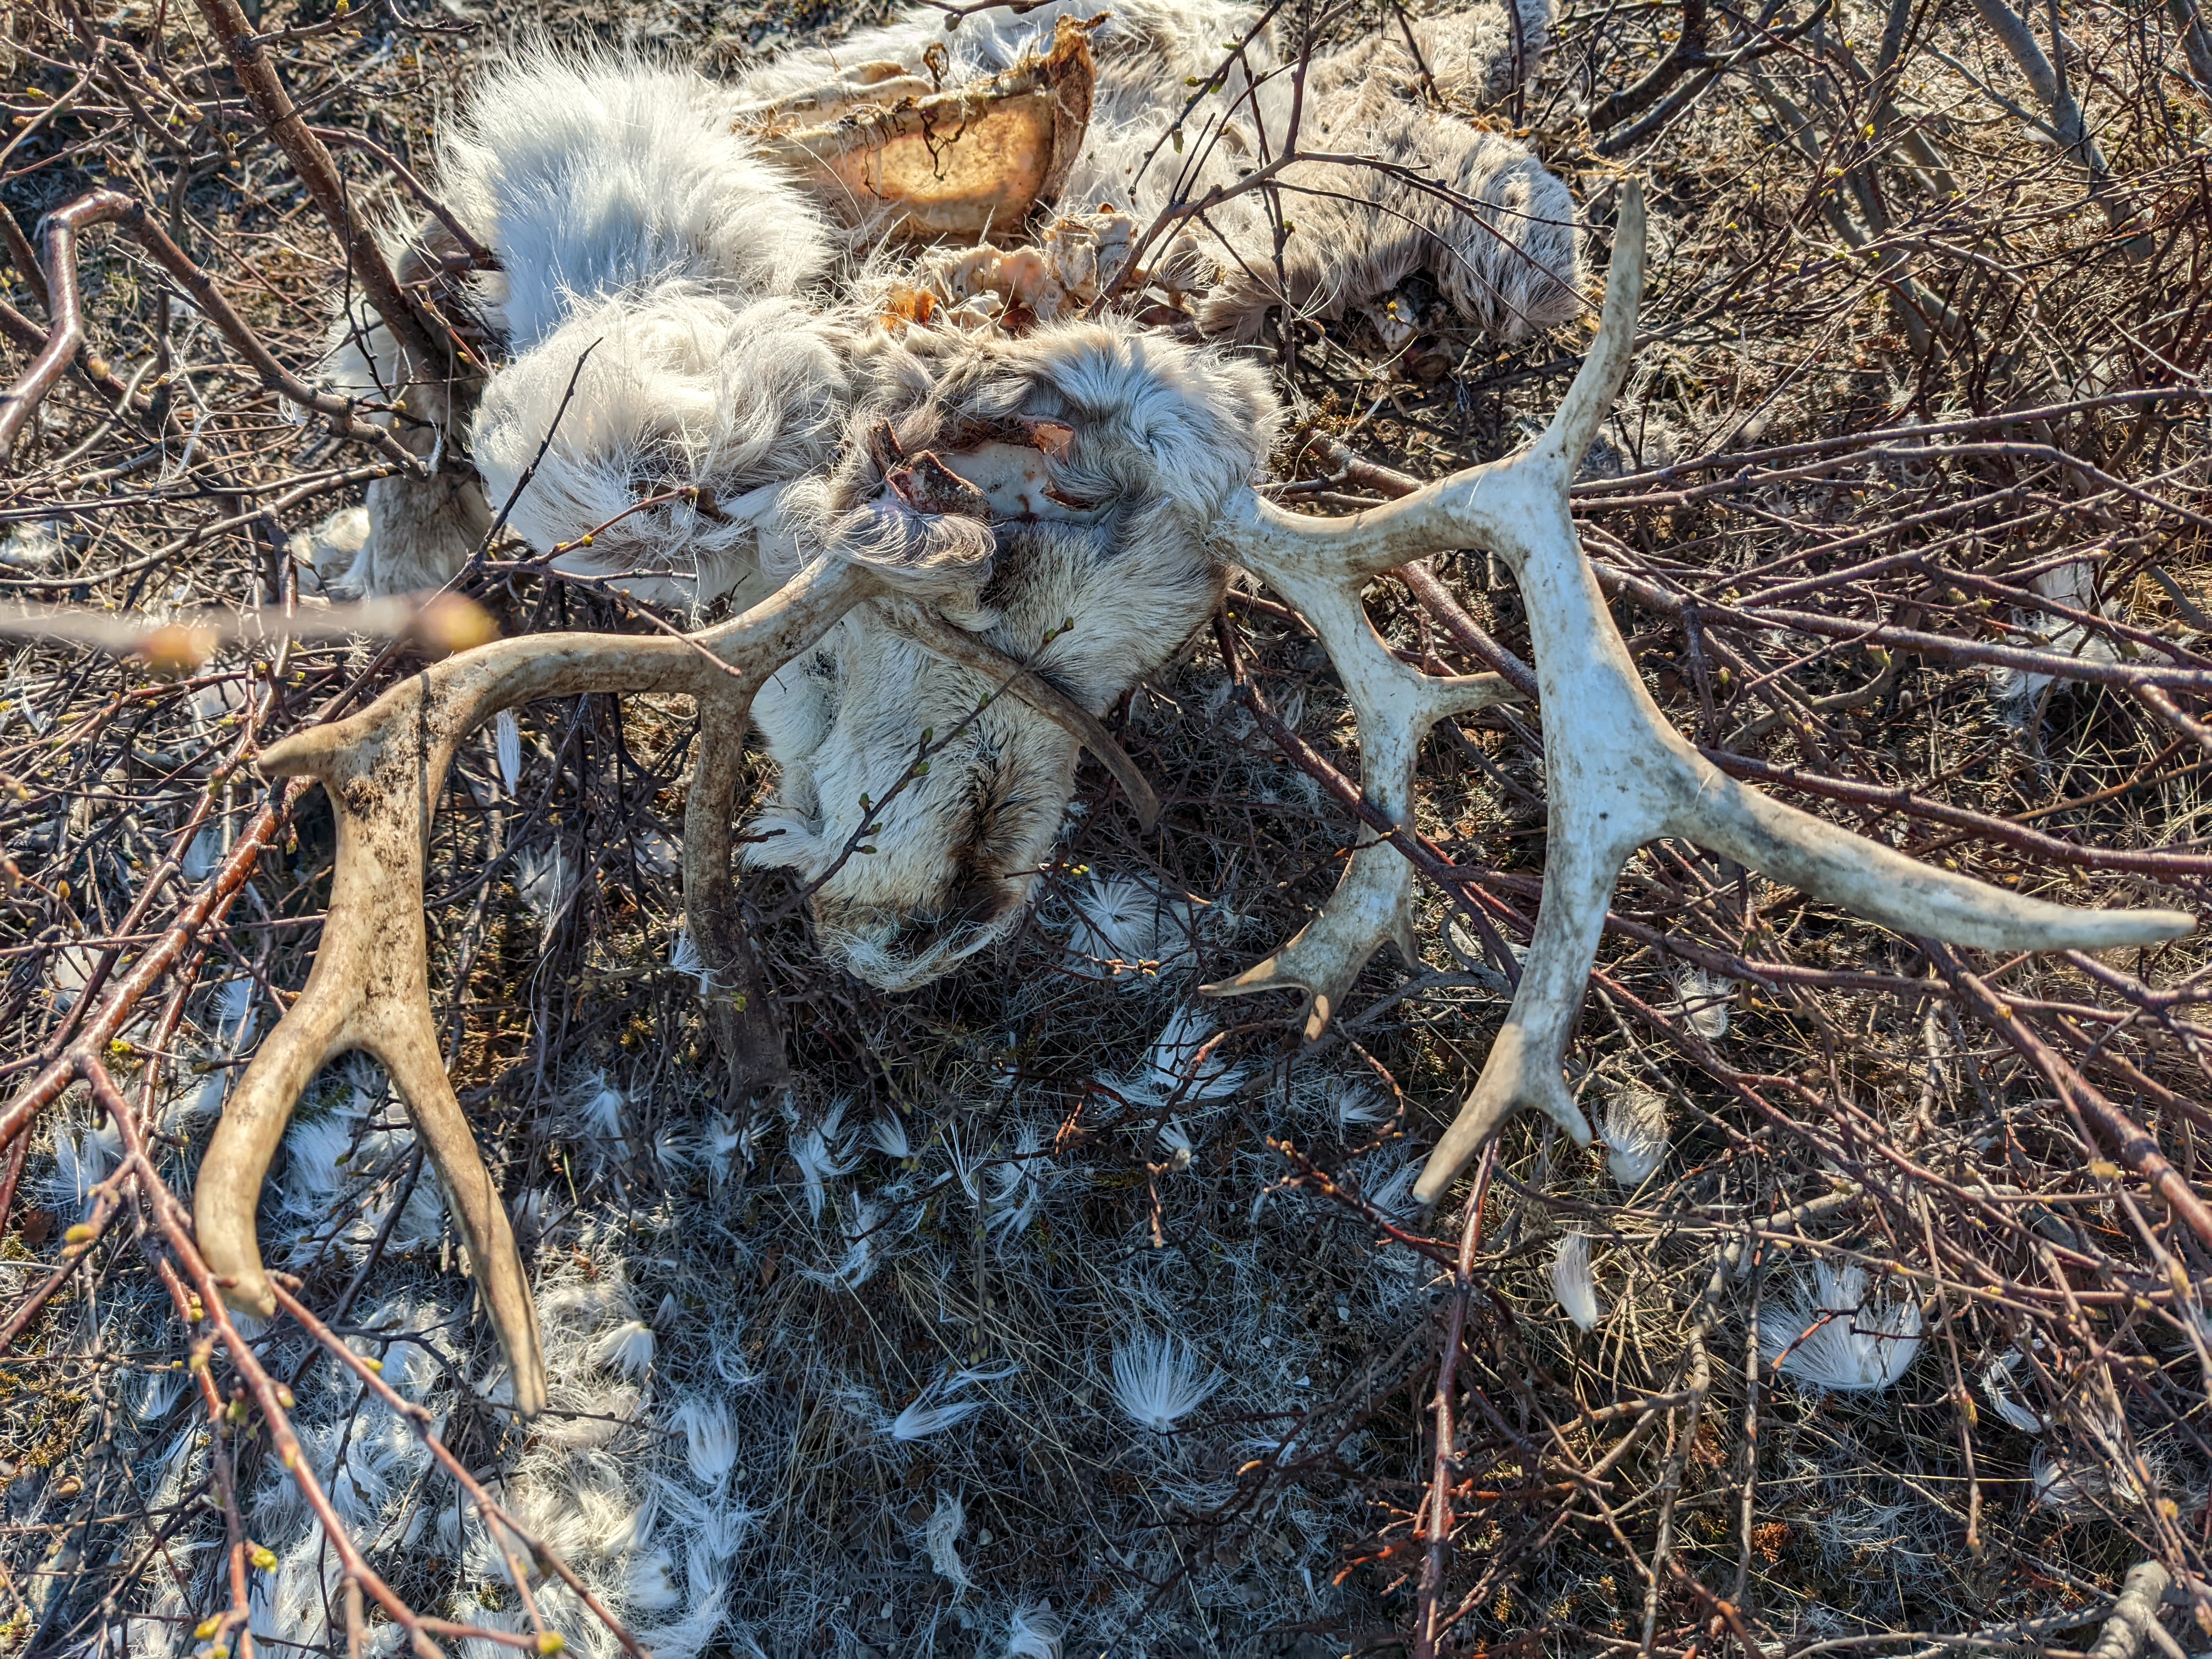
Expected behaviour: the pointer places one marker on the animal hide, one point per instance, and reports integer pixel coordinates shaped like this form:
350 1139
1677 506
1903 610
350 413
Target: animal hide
704 383
1098 569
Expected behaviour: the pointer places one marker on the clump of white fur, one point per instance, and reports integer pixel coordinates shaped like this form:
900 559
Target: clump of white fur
642 245
1573 1283
1034 1631
1511 265
2074 585
1833 1335
673 336
1636 1135
941 1538
1159 1379
595 176
682 385
1126 929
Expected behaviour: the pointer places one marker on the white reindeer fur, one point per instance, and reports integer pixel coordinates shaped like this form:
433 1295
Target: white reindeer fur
678 385
626 212
629 219
678 293
1511 269
1508 266
1163 433
1144 49
689 1497
598 176
647 251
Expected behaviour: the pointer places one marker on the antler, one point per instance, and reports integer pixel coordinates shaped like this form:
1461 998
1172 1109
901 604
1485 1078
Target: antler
1618 773
1396 705
369 988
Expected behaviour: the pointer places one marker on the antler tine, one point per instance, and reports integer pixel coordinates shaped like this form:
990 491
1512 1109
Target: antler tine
1395 706
1320 564
369 988
1618 773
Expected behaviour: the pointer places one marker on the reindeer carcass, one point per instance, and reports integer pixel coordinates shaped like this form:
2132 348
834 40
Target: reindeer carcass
921 509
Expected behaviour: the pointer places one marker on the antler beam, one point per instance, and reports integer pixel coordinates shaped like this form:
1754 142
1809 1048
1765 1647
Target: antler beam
369 988
1618 773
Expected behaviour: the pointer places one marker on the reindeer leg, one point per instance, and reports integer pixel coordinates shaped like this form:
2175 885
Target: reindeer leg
746 1029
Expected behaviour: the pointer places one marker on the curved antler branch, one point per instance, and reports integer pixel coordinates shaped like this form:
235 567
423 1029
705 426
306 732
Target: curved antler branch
735 993
369 989
1396 705
1618 773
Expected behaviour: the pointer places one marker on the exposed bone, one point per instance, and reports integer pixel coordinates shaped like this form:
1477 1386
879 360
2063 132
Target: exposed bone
369 988
746 1032
1075 259
927 485
1619 774
958 163
879 83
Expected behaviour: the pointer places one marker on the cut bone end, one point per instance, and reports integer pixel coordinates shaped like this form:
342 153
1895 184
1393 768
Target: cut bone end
957 163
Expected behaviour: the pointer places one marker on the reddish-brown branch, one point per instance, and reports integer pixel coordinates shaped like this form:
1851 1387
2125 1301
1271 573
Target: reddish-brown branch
211 900
425 1430
168 1216
67 338
1436 1510
2137 1148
